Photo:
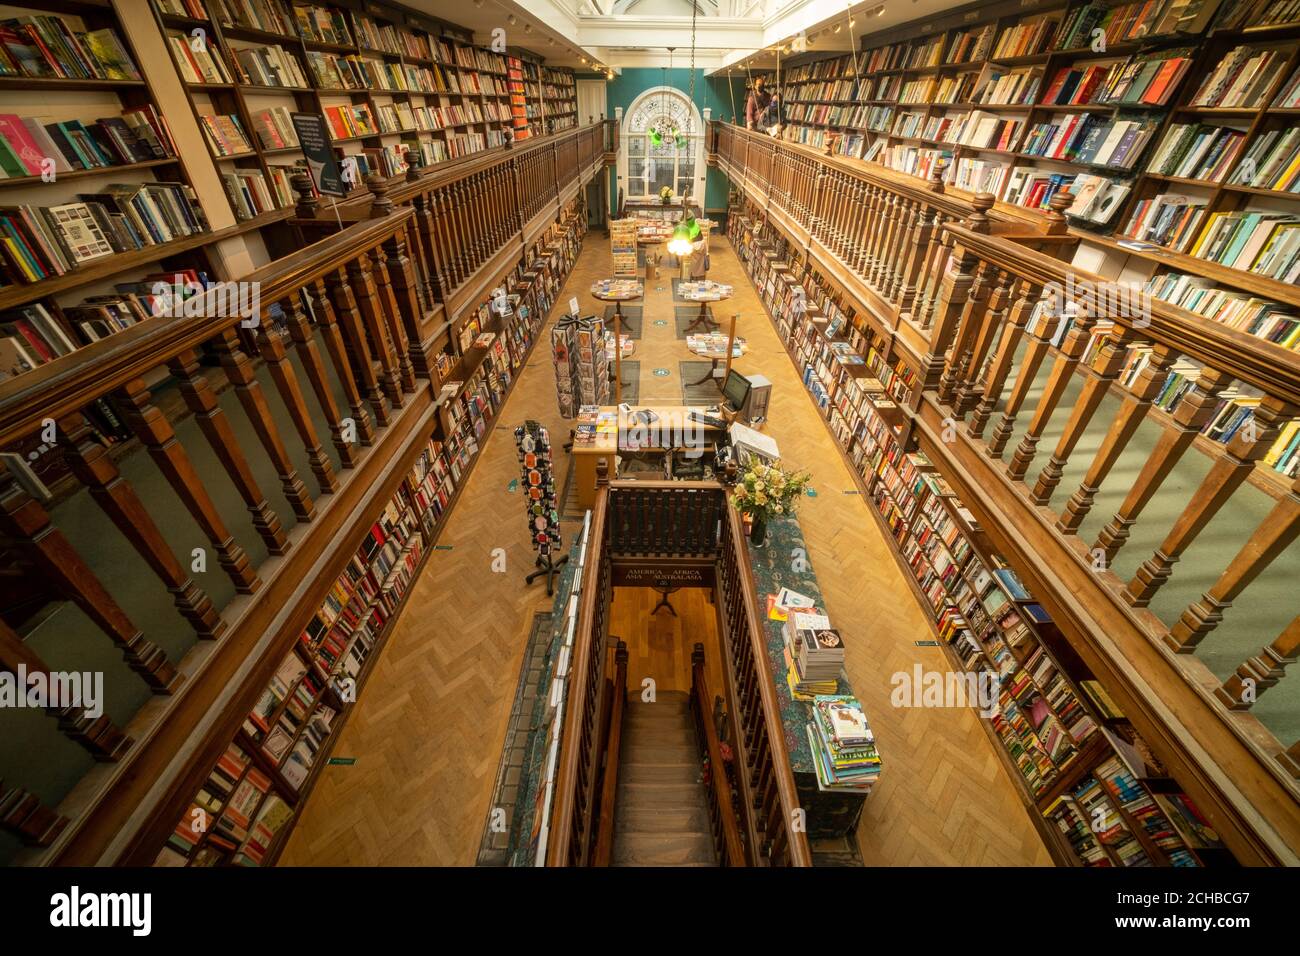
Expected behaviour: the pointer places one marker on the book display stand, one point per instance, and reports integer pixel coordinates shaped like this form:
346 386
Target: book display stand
533 442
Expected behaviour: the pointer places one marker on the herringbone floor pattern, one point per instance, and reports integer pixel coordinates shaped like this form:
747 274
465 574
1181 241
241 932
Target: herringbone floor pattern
428 727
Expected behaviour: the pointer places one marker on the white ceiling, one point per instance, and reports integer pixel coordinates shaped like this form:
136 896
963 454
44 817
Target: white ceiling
728 34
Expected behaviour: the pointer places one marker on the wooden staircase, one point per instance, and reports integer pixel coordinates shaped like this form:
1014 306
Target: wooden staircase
662 812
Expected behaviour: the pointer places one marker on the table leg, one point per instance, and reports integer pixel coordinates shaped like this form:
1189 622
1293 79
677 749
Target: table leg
713 363
702 320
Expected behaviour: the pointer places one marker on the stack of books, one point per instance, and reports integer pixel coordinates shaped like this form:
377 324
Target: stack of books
816 654
843 746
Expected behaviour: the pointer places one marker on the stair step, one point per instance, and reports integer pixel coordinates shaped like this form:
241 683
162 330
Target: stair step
671 849
657 714
644 751
636 795
652 819
635 771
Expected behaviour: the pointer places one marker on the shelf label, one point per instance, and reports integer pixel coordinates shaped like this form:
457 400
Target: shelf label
342 761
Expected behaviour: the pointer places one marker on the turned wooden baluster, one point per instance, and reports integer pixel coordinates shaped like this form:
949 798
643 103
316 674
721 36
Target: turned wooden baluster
1188 418
974 318
26 523
212 421
100 737
23 815
90 462
941 245
449 220
954 291
1133 409
1062 374
1257 674
367 299
1278 530
916 253
155 433
354 335
899 231
446 254
1039 345
270 345
386 298
872 203
323 312
1098 376
1229 471
305 345
248 390
426 250
1000 367
987 332
861 196
404 286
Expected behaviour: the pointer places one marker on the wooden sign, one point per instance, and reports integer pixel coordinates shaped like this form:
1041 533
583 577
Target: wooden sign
643 574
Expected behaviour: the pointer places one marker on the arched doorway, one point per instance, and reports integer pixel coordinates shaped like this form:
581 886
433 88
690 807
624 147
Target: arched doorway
644 167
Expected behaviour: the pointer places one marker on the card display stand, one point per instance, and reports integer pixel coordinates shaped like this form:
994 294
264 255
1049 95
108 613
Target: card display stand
581 363
533 443
622 239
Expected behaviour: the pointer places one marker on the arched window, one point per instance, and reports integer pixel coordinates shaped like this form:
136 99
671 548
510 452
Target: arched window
646 166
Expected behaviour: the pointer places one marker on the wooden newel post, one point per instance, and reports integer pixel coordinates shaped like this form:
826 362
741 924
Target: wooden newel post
380 205
936 178
602 472
1056 224
979 220
413 164
308 202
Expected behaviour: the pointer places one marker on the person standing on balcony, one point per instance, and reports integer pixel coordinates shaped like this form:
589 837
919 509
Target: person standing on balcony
756 107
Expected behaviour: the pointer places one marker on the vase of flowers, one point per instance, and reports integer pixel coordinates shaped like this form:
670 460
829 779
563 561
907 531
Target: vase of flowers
666 195
767 491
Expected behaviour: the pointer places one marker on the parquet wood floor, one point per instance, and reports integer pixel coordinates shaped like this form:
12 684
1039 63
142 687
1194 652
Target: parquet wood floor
428 727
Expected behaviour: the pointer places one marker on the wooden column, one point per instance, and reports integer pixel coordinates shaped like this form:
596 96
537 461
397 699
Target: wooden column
305 345
249 392
99 736
155 433
1133 410
325 321
214 424
271 347
93 467
25 521
1229 471
1271 538
1103 370
1191 414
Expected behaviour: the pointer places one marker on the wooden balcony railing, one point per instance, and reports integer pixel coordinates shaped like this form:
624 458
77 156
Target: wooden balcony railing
723 823
617 696
343 337
1012 348
353 409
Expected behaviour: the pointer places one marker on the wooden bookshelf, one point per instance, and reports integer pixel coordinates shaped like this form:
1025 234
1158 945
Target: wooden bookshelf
981 613
907 100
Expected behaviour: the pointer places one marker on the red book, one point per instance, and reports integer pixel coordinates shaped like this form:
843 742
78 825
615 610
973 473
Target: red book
20 140
1166 78
1057 83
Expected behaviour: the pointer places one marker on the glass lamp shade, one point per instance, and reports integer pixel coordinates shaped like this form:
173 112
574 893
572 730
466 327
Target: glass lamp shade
656 138
680 244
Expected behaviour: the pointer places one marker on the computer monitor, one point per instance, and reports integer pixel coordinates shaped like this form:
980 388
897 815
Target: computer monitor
736 390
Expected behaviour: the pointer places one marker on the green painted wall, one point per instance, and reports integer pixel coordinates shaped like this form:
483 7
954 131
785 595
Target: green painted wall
710 93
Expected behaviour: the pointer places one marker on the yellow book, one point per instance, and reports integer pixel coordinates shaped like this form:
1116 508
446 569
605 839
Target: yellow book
1206 230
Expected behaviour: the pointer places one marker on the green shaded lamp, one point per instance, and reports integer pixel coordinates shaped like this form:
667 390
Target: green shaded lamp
680 244
656 137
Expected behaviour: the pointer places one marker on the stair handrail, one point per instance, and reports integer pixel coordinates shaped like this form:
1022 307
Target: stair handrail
733 850
796 839
559 845
609 779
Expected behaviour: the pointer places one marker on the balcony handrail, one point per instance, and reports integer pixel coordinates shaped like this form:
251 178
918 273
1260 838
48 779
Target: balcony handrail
70 382
1254 360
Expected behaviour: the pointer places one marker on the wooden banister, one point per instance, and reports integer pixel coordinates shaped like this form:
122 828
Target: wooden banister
614 741
726 835
571 812
764 760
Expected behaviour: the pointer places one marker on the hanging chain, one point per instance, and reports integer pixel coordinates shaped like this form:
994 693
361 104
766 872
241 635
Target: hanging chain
695 6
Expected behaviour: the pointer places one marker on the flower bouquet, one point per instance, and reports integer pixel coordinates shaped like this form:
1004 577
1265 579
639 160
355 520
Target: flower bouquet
765 492
666 195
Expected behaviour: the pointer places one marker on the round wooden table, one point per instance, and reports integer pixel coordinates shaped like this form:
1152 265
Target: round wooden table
617 291
711 293
715 353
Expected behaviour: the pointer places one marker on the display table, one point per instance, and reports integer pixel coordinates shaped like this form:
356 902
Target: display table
713 346
617 291
830 814
615 429
703 292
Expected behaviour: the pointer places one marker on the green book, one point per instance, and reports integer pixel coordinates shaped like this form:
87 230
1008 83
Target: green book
9 160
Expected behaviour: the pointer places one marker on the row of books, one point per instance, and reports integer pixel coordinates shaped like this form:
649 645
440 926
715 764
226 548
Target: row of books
38 333
41 241
1238 310
51 47
30 148
196 60
251 194
1091 139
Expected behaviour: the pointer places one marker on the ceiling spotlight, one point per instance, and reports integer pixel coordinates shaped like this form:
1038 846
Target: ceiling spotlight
528 28
583 59
550 42
511 19
880 10
838 27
